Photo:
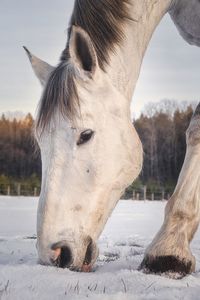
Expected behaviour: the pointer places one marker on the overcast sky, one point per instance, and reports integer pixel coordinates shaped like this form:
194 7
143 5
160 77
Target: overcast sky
171 67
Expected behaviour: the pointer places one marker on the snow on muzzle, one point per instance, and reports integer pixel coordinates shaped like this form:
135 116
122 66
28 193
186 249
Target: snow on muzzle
75 257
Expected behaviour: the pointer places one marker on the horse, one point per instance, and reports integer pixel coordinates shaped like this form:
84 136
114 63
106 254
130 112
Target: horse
90 149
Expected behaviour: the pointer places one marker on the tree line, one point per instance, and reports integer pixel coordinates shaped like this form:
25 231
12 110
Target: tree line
19 156
162 132
161 128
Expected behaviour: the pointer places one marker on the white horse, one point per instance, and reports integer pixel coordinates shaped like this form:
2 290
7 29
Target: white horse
90 150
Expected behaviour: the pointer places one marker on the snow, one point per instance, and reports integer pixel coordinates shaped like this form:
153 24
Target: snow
115 276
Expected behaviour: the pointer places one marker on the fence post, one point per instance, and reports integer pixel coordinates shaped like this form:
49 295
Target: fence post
163 195
133 194
137 196
19 189
35 191
145 192
152 197
8 190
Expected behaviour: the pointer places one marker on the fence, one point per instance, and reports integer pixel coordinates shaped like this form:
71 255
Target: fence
18 189
144 193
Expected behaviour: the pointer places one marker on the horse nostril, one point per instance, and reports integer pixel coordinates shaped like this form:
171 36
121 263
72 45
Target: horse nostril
64 258
88 254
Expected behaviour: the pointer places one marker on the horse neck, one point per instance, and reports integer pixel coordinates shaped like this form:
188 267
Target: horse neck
125 63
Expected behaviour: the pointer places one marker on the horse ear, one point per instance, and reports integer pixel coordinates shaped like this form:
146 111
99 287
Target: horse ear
82 52
41 69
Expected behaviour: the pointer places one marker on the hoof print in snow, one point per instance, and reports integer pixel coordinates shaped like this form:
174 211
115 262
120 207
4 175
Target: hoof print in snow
121 244
109 257
166 264
135 245
129 244
34 237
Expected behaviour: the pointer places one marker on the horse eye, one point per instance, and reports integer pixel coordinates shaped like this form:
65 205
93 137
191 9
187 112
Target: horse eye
85 136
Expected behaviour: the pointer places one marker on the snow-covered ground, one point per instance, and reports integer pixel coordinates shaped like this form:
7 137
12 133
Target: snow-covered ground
115 276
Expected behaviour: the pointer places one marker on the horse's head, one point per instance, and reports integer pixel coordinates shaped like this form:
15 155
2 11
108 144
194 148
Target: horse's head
90 153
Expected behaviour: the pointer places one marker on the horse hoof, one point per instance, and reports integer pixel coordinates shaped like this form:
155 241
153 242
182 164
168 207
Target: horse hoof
167 264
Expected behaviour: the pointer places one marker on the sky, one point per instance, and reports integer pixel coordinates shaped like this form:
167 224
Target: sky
170 69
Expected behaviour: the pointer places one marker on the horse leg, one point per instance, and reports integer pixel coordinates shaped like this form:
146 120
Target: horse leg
170 250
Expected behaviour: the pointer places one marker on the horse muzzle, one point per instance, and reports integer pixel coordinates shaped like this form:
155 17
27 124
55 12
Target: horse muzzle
76 257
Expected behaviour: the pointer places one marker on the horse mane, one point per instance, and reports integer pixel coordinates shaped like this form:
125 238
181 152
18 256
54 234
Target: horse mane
103 21
60 93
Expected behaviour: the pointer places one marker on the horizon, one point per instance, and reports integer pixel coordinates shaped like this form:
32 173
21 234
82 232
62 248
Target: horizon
167 106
